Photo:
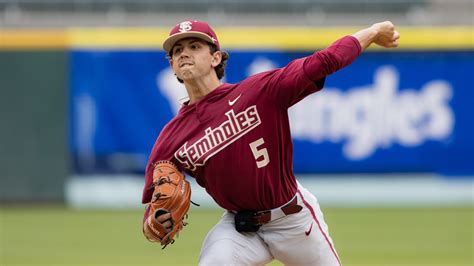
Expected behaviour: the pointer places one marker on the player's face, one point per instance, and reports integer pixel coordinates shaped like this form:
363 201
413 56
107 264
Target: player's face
191 59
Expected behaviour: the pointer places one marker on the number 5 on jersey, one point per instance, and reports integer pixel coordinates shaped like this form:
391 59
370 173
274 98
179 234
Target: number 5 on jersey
260 155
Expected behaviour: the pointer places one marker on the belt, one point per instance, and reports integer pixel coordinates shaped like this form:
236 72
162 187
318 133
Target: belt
263 217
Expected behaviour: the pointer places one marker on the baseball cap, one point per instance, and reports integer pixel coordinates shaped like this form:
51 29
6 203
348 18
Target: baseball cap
190 28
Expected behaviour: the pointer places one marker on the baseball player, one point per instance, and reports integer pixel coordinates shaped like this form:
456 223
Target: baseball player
234 139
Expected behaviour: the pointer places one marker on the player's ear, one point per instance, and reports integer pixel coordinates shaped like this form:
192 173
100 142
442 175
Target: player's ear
216 58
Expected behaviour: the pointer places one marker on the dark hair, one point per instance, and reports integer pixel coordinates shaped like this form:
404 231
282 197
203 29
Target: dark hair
220 69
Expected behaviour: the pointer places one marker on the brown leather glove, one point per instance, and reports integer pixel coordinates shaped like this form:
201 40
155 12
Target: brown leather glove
172 194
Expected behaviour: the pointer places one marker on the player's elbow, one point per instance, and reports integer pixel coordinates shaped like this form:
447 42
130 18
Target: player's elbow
330 62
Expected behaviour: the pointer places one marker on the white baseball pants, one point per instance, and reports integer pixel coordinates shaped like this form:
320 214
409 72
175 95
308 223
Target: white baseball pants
296 239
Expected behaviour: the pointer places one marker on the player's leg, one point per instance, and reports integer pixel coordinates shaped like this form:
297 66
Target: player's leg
225 246
301 238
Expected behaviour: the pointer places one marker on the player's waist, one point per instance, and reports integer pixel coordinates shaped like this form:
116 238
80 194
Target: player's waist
294 205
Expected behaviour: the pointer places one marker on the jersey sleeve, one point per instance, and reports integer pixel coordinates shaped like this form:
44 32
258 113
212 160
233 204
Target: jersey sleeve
157 153
147 190
303 76
163 149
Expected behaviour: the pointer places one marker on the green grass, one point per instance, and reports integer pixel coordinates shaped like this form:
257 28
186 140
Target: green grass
363 236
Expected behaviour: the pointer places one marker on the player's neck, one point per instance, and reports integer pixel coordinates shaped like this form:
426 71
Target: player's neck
199 88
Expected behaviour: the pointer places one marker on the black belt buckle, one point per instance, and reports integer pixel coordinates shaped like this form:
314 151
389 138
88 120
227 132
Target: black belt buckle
246 222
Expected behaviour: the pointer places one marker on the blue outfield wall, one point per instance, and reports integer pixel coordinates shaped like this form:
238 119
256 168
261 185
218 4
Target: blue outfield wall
402 111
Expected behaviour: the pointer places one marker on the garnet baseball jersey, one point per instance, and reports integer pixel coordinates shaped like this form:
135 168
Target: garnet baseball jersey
236 140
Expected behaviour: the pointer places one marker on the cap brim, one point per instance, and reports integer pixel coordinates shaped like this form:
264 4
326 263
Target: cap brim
171 40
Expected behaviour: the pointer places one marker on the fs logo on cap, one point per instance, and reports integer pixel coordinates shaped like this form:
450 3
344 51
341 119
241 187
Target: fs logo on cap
185 26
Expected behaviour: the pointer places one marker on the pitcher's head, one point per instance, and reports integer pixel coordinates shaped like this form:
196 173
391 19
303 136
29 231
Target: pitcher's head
186 36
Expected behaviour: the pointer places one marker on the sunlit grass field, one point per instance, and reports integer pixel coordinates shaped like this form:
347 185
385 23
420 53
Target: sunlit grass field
363 236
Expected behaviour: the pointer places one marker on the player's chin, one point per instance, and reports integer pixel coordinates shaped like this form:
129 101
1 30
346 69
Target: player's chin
185 75
188 78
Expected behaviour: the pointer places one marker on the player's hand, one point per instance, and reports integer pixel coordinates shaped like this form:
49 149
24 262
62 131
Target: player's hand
165 220
386 36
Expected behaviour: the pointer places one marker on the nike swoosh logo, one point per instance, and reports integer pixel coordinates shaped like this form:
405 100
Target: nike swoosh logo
309 231
233 101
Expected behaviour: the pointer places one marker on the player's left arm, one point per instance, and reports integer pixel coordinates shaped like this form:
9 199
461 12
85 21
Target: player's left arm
306 75
382 34
345 50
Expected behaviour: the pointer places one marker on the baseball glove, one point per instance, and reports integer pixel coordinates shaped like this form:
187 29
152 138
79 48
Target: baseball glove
172 194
